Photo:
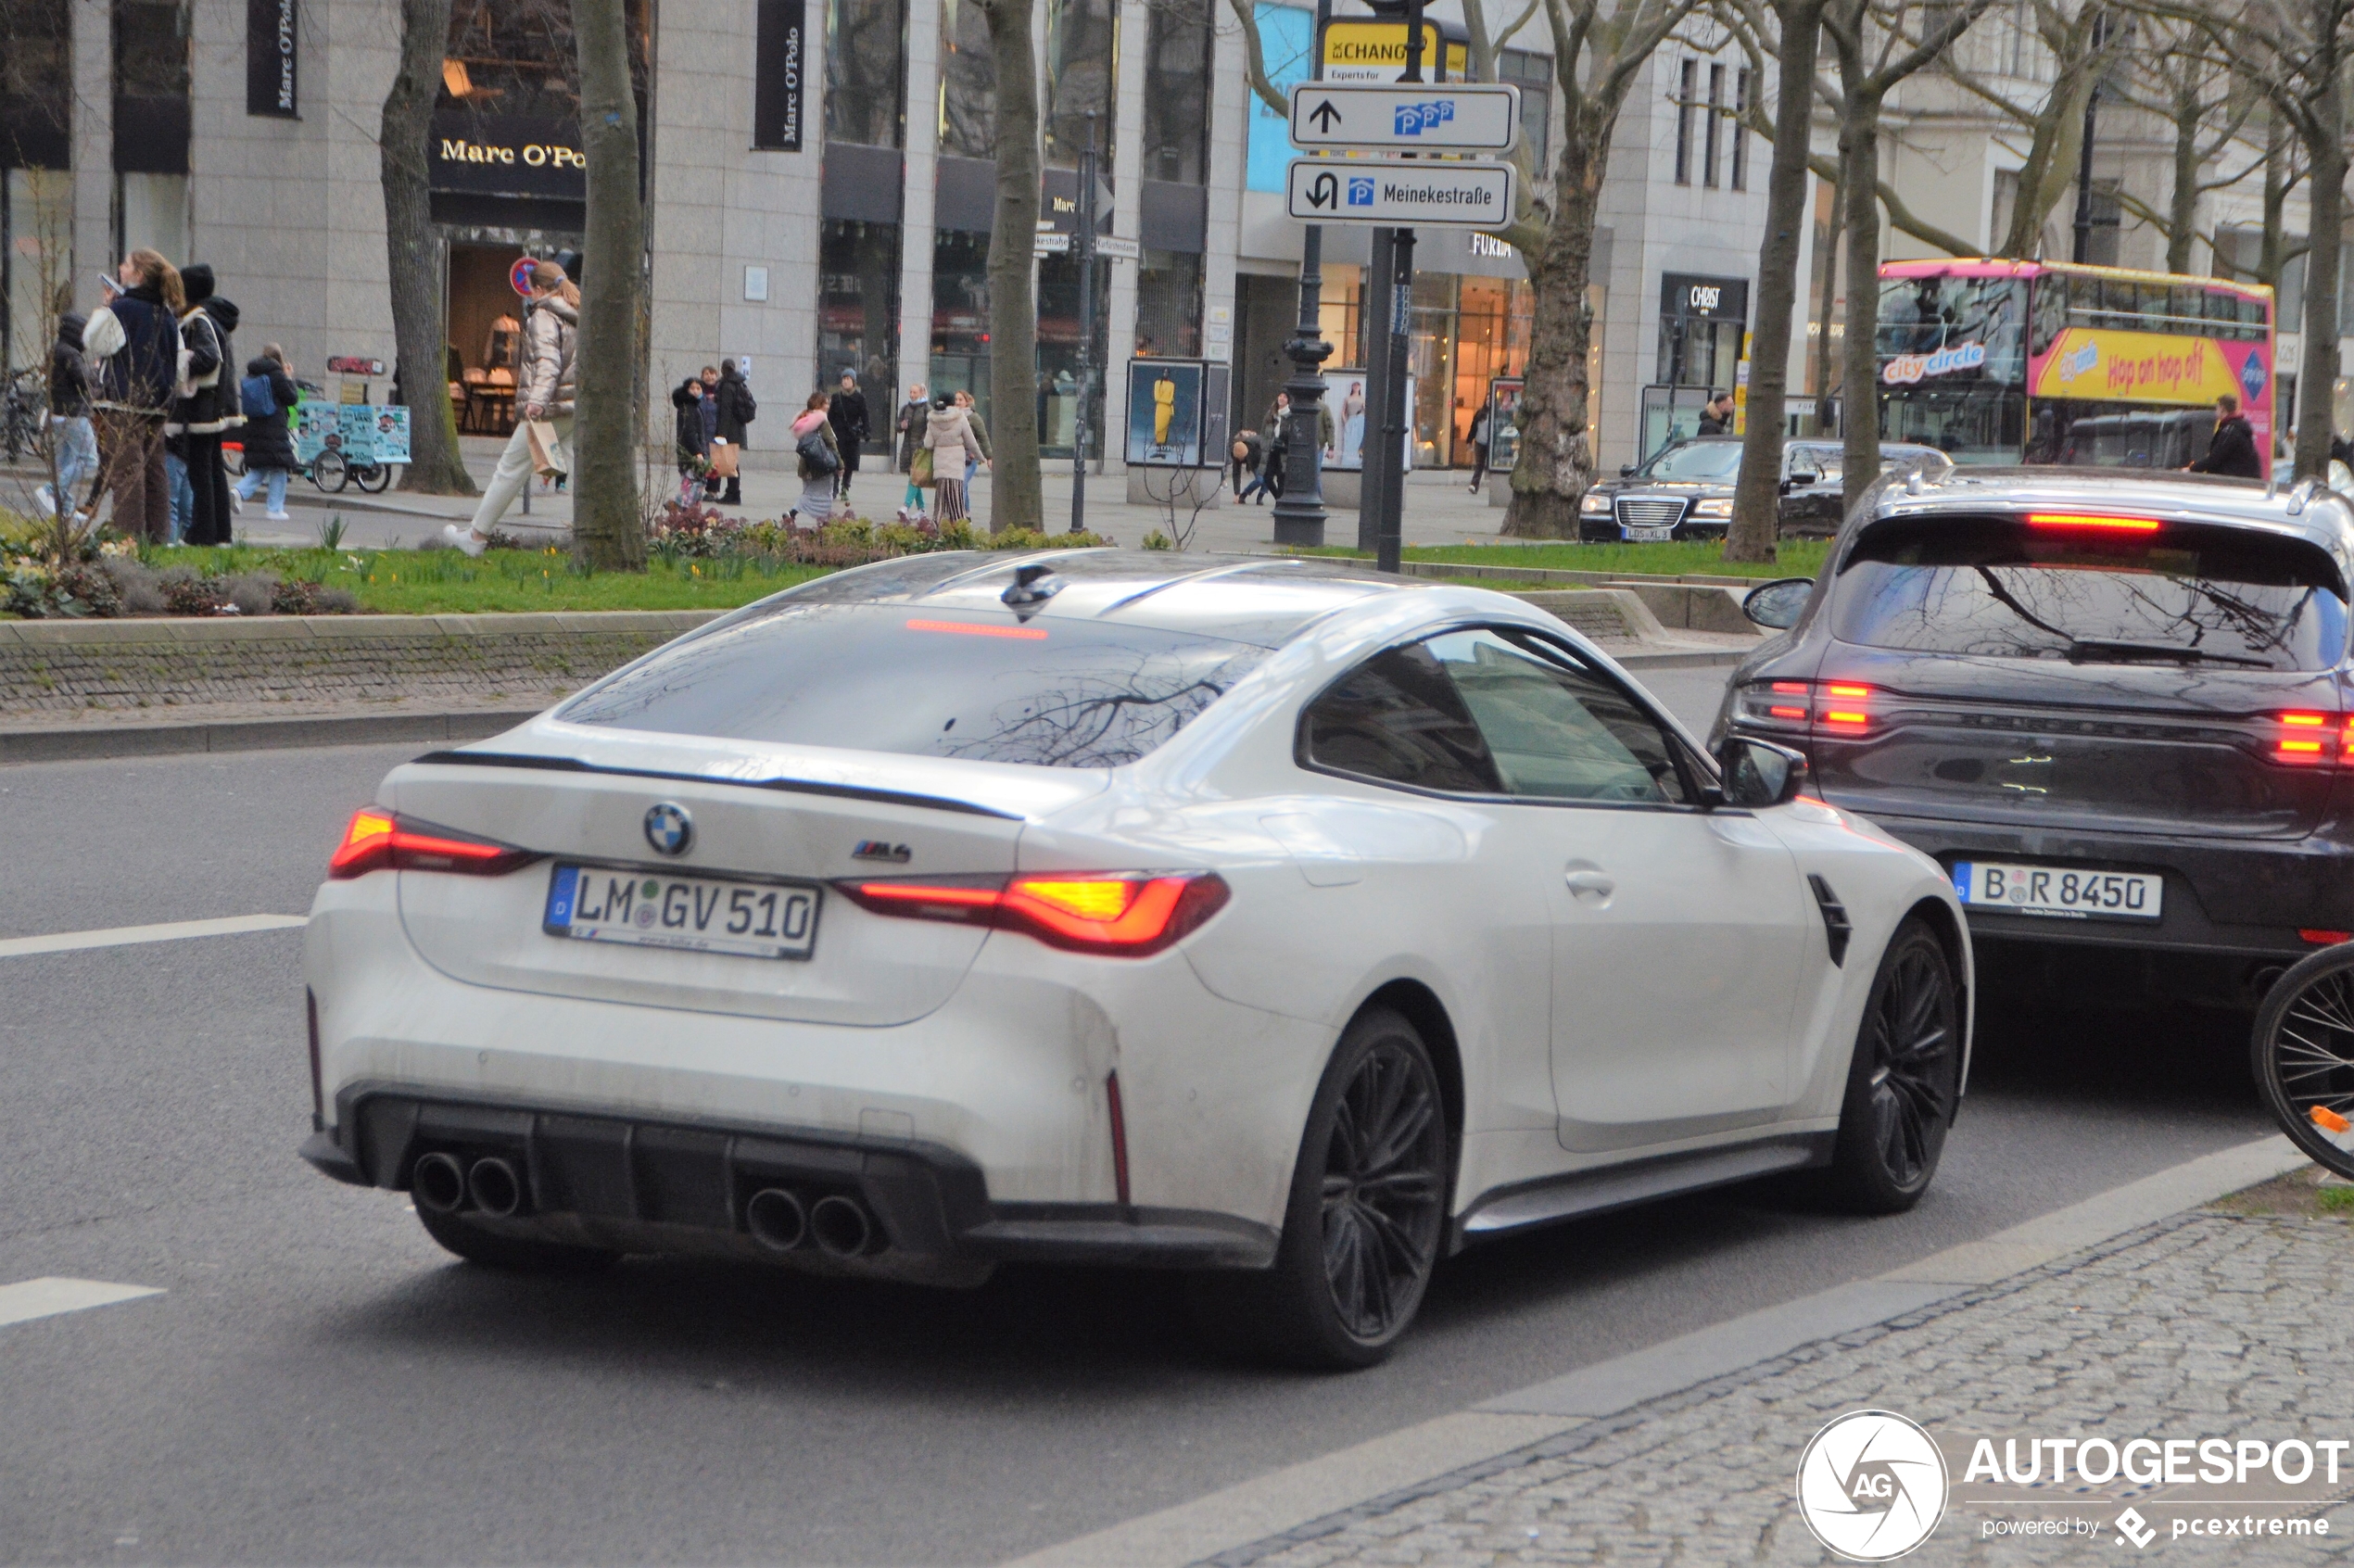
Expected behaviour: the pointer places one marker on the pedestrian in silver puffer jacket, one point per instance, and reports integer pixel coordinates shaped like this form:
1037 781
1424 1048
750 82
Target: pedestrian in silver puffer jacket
545 388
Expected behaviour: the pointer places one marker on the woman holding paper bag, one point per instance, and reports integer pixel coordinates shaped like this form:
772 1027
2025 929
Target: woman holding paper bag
543 393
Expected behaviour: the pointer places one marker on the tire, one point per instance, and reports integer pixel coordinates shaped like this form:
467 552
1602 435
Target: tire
2302 1052
373 478
517 1255
1351 1267
330 473
1903 1081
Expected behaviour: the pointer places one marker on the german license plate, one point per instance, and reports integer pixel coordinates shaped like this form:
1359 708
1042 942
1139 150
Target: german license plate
1649 536
2060 891
697 913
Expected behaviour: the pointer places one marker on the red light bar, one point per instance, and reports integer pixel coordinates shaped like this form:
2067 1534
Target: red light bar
377 840
2312 721
1130 916
1849 690
1789 688
2092 520
972 628
2324 938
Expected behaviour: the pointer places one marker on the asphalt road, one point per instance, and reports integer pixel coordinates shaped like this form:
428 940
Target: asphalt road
319 1383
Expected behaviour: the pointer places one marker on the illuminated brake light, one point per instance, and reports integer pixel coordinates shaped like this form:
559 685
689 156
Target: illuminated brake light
2092 520
2323 939
1857 691
1130 916
377 840
1798 715
1855 719
2312 721
1790 688
2308 740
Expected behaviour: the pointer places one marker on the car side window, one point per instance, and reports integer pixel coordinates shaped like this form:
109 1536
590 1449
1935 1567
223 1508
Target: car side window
1557 729
1399 719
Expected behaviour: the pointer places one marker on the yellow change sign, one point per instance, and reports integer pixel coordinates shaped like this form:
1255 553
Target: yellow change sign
1375 51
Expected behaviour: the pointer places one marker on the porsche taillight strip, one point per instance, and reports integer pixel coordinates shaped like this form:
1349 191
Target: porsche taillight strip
377 840
2312 739
1843 708
1123 914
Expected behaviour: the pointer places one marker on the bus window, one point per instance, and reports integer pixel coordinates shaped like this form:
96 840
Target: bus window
2187 304
2251 318
2049 302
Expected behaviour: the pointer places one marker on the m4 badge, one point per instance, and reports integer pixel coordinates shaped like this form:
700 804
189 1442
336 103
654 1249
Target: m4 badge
876 848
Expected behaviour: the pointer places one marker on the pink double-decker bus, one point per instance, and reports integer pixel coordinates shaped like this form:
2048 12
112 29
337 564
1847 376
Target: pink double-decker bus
2050 362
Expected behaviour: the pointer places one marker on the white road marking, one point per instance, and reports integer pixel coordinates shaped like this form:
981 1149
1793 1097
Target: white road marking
46 1298
125 936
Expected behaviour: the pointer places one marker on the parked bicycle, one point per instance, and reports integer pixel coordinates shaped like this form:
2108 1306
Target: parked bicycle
22 407
2303 1056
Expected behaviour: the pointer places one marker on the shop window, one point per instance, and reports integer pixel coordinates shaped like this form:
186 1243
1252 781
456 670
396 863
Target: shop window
1340 312
1714 126
1533 74
151 212
1177 60
518 58
1686 78
1082 66
1430 360
1168 304
960 314
866 72
153 67
858 317
968 82
36 84
1058 377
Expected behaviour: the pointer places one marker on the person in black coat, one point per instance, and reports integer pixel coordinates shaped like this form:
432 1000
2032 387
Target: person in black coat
846 411
738 408
133 347
77 447
2232 452
692 444
205 417
1715 416
267 397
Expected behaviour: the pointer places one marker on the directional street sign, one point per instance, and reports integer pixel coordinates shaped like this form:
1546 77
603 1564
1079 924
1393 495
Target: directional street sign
1117 250
1465 117
1045 243
1390 193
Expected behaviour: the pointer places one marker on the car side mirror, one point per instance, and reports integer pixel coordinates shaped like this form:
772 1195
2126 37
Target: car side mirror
1758 774
1777 605
1801 478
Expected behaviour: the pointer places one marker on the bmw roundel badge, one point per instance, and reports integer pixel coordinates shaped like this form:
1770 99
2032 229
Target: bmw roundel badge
669 829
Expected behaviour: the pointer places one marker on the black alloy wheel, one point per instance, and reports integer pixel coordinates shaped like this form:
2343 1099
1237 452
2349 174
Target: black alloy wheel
1904 1079
1367 1214
2303 1052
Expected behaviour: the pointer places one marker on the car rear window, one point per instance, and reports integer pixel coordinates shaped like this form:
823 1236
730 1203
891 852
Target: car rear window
1053 693
2003 587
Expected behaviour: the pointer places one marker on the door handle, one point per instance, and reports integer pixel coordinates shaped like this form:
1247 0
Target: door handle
1588 883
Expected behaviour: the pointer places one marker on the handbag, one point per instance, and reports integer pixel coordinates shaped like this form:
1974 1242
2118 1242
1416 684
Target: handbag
723 460
547 456
919 472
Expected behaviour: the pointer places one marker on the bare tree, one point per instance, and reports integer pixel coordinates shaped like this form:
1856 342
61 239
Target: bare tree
1016 497
2174 75
1872 51
413 252
607 531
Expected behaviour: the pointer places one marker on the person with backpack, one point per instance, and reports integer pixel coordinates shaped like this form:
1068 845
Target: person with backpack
206 409
820 459
734 407
133 344
269 396
544 391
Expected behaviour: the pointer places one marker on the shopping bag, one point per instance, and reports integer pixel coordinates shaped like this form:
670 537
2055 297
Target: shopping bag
919 472
547 456
723 459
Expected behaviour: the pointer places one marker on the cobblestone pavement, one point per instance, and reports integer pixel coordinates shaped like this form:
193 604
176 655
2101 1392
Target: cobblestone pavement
2210 1325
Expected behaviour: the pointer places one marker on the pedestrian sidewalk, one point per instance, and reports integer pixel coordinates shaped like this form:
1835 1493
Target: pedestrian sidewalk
2214 1324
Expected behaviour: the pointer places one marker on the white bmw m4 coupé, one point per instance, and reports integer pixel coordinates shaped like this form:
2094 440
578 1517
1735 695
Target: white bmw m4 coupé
1264 919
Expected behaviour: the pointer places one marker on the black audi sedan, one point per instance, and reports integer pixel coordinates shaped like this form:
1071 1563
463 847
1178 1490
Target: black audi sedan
2119 711
1686 492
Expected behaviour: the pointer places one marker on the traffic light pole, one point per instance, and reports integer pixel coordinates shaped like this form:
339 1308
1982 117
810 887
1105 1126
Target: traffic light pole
1299 511
1388 491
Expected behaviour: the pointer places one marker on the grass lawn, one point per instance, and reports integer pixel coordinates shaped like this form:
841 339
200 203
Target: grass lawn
1800 558
413 582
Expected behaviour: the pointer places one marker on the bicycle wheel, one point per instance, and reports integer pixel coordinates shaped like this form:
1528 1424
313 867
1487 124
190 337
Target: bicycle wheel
2303 1052
371 477
330 473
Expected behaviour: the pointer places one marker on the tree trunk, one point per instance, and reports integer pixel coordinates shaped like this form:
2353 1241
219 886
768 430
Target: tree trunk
1859 404
414 253
1825 368
1016 499
2182 207
1757 494
607 531
2326 210
1556 463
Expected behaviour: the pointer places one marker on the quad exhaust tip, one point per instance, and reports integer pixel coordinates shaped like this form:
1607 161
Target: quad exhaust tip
438 1183
497 1191
777 1220
842 1227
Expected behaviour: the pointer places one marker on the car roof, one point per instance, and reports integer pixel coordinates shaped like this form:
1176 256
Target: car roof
2306 511
1261 599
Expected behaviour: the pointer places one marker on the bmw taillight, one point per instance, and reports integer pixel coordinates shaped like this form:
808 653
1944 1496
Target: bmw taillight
1124 914
1802 707
377 840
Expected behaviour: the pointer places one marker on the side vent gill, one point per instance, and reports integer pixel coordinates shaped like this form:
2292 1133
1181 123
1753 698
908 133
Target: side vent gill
1836 927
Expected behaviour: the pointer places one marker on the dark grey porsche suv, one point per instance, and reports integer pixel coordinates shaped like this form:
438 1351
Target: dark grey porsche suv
2119 711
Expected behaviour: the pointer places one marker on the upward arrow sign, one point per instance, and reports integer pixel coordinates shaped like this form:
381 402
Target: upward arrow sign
1325 116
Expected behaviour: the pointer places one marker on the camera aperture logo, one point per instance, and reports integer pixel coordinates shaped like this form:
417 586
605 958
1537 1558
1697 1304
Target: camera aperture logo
1871 1486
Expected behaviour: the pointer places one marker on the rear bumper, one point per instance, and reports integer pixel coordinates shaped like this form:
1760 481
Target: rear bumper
2227 898
683 1185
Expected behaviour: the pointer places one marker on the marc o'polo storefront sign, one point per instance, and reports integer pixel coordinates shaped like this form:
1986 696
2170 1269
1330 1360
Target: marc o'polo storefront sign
780 68
507 155
271 60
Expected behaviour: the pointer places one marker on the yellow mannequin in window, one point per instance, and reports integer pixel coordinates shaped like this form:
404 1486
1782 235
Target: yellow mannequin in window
1164 407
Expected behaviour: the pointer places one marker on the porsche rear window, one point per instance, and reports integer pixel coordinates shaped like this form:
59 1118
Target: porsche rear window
2003 588
987 688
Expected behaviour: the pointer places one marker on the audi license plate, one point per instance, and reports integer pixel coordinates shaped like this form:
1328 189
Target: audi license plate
699 914
1648 535
2060 891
